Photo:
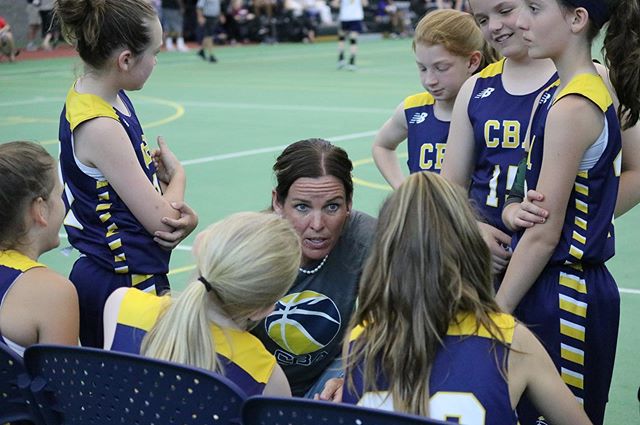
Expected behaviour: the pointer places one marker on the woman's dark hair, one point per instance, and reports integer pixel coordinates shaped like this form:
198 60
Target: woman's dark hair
312 158
27 172
98 27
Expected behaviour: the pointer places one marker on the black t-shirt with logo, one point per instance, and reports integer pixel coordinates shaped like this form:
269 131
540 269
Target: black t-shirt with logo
306 330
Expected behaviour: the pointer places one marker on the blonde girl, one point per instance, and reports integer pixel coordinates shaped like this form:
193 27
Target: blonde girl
207 325
449 48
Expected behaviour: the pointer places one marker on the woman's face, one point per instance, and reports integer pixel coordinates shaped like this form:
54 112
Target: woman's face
497 20
318 209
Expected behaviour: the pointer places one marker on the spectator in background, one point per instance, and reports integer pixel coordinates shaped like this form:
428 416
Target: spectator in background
238 21
172 23
34 22
50 30
208 17
351 16
7 44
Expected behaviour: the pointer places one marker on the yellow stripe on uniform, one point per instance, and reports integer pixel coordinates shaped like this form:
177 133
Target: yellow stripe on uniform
105 217
576 252
572 378
581 188
572 330
419 99
101 183
580 238
573 282
113 245
492 70
17 261
581 223
102 207
572 354
582 206
137 279
573 306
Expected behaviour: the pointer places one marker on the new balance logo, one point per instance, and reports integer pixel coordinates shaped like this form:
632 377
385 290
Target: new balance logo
418 117
544 98
484 93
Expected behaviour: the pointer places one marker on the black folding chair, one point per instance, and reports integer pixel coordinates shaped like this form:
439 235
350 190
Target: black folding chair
299 411
16 401
91 386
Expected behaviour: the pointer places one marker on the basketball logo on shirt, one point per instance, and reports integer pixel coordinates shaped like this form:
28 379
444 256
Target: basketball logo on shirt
303 322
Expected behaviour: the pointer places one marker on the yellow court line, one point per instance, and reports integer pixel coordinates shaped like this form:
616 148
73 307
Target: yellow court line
181 270
175 105
366 183
179 112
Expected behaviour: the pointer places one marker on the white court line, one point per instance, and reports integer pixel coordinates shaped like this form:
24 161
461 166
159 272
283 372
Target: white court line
250 152
179 247
287 107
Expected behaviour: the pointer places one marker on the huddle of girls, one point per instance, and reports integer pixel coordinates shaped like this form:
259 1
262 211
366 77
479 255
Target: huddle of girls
125 211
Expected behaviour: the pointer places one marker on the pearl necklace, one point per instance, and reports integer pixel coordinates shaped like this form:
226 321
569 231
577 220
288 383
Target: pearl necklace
305 271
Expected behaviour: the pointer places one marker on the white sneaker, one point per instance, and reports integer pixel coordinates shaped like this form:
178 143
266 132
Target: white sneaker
352 67
181 46
341 64
168 43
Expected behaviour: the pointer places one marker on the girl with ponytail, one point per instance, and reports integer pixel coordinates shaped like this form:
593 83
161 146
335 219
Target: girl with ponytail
557 281
207 325
125 209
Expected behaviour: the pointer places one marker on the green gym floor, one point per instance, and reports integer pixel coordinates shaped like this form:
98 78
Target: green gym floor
228 121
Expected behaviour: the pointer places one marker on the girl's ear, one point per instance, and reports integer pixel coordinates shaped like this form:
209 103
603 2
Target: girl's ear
474 62
38 211
125 60
578 19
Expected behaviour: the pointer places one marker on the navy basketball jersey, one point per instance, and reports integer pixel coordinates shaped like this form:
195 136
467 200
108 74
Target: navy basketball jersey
242 357
468 377
499 122
426 134
12 265
587 234
98 222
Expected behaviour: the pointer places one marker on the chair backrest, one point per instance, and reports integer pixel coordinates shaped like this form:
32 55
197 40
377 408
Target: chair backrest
16 402
285 411
92 386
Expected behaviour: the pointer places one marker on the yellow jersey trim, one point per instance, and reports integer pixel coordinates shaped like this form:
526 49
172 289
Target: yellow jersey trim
18 261
590 86
83 107
141 310
420 99
492 69
465 324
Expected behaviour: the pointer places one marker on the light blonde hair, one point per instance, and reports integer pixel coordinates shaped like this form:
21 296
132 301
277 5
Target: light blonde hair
429 262
250 260
457 32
